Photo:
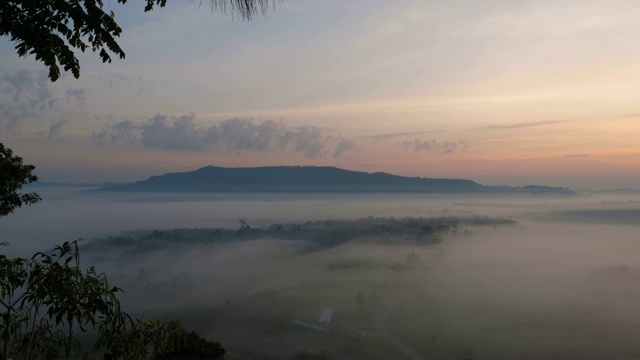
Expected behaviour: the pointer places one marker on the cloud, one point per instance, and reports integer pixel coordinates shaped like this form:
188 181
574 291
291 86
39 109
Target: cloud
124 131
342 147
112 81
120 82
178 133
400 134
54 130
308 140
26 94
244 134
527 124
231 135
434 146
77 95
577 155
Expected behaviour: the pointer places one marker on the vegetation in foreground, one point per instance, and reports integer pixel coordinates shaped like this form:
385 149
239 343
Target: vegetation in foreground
50 306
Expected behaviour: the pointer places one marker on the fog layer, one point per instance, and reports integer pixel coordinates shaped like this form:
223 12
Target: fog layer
551 286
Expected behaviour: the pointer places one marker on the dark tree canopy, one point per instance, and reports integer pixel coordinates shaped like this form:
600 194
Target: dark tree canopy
13 175
195 346
52 29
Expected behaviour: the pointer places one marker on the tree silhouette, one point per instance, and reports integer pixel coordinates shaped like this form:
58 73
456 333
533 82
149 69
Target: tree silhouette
194 346
46 299
51 29
13 175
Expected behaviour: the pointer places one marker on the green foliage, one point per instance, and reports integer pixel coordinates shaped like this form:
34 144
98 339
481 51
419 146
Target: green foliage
72 298
13 282
138 339
47 299
51 29
13 175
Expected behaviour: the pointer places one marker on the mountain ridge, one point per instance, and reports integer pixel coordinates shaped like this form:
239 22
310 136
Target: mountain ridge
311 179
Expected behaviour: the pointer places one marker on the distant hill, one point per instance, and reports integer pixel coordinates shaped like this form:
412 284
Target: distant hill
311 179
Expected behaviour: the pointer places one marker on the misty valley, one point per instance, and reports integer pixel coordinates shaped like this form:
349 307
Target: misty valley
417 276
362 269
315 180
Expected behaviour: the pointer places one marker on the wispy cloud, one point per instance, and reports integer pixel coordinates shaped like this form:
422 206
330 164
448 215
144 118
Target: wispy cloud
54 130
528 124
342 147
434 146
29 94
26 94
119 82
76 95
399 134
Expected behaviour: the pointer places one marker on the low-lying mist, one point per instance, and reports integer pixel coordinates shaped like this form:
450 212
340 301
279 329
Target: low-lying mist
561 282
530 290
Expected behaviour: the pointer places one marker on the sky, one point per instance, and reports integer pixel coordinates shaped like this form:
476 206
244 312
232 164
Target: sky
497 91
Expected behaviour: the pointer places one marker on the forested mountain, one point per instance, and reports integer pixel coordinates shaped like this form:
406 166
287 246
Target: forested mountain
311 179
